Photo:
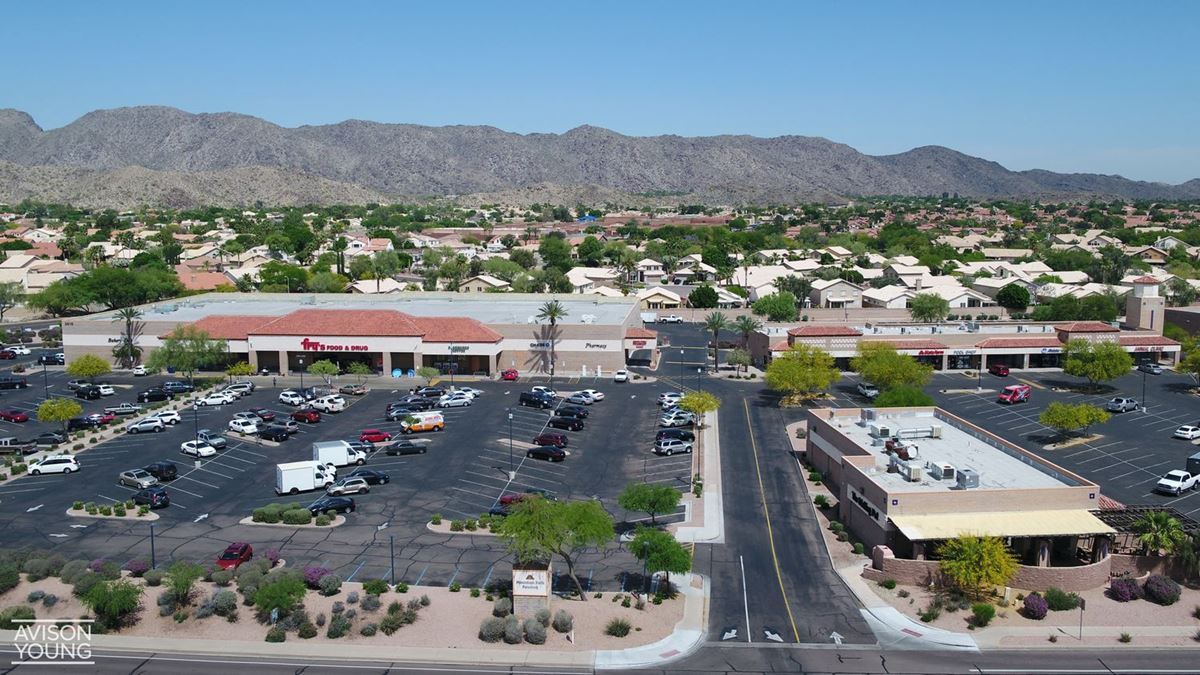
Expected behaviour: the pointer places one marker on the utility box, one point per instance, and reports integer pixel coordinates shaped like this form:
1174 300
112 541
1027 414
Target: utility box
967 479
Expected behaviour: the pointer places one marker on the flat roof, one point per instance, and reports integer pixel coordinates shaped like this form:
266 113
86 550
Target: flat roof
1044 523
998 466
493 308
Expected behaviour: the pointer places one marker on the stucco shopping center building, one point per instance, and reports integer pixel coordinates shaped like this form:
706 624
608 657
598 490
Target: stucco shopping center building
394 334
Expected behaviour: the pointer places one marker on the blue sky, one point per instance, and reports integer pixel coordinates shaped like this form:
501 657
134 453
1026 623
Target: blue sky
1068 86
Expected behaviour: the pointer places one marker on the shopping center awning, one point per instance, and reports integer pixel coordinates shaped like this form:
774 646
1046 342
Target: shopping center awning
1001 524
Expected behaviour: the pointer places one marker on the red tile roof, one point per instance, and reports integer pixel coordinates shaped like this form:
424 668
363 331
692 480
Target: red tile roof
781 346
1146 341
1018 342
637 332
1147 279
343 322
1109 504
1088 327
454 329
824 331
197 280
231 327
913 344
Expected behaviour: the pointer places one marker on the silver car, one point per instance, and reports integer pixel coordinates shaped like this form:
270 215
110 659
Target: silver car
348 486
138 478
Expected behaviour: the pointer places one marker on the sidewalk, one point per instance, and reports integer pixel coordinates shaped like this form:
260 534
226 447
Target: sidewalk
713 528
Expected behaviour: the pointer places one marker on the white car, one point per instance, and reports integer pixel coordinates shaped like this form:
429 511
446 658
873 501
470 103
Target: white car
243 426
54 464
669 398
544 390
19 350
469 391
1187 432
290 397
216 398
240 388
197 449
106 390
329 404
677 418
152 424
1175 482
167 416
454 400
580 398
670 318
139 371
621 376
595 394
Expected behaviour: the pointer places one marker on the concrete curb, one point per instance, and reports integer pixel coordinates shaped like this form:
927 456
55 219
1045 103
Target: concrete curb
687 637
894 630
713 530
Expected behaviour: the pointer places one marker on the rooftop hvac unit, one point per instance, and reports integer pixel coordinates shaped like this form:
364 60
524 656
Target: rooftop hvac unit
967 479
868 414
935 431
913 472
940 470
880 431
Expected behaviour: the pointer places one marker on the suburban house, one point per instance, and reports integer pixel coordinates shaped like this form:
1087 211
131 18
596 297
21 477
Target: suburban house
649 271
484 283
837 293
888 297
658 298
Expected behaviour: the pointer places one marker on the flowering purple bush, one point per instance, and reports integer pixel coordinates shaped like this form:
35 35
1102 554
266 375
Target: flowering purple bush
272 556
1036 607
97 564
137 567
1124 590
312 576
1162 590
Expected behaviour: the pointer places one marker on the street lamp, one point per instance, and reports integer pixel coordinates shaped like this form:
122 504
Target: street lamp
45 381
1144 406
698 371
453 363
300 361
512 474
682 353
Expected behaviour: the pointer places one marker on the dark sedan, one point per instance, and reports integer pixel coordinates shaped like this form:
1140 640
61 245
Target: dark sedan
404 447
263 414
335 504
274 432
568 423
372 476
681 434
547 452
572 411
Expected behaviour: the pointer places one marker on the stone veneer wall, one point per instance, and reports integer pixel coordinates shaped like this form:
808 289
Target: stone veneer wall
884 565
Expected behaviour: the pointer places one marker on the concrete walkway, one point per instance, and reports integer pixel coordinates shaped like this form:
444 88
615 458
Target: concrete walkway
713 529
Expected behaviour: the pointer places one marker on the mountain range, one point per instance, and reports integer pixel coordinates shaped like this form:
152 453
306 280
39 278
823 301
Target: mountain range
153 155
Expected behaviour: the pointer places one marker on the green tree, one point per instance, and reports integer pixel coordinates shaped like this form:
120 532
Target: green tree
973 563
1095 361
703 297
880 364
799 287
590 251
58 411
280 277
282 592
780 306
89 366
384 264
113 603
359 370
1160 533
1180 292
746 325
715 323
240 369
62 297
929 308
523 257
11 295
327 282
903 396
649 499
739 358
801 371
554 251
660 551
127 352
552 311
181 577
187 349
1069 417
699 403
1190 365
428 373
326 369
1014 297
537 529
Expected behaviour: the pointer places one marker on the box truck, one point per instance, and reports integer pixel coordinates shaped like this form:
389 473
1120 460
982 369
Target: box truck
295 477
337 453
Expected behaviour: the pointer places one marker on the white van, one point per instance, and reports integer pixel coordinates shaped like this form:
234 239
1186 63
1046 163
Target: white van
423 421
330 404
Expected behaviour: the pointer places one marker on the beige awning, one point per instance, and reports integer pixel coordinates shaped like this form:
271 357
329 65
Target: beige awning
1001 524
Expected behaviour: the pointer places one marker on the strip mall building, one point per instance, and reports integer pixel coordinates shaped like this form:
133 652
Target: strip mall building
394 333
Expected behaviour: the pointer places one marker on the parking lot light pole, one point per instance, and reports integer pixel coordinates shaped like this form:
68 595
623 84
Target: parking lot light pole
512 474
300 361
1144 406
698 372
152 561
682 353
45 381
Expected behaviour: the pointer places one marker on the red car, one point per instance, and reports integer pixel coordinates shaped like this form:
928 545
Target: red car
102 418
374 436
263 414
998 369
234 555
7 354
509 375
307 416
559 440
13 416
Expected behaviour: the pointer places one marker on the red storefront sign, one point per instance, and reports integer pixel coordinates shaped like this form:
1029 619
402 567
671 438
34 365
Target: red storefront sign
310 345
931 352
639 343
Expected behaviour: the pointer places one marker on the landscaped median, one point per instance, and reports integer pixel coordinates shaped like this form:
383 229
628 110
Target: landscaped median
120 511
292 515
478 526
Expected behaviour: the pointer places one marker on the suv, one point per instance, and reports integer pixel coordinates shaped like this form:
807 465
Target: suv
154 496
571 411
145 424
88 392
307 415
1121 404
551 438
348 485
529 398
568 423
670 446
212 438
162 470
153 395
681 434
868 390
290 397
176 387
234 555
81 424
669 398
54 464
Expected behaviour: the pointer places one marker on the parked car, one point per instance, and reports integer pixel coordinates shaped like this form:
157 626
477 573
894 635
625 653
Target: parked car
155 497
374 436
551 453
243 426
470 391
867 390
509 375
372 476
455 400
234 555
544 391
621 376
670 318
81 424
329 404
681 434
404 447
677 418
332 503
74 385
152 424
307 415
153 395
177 387
137 478
197 449
574 411
101 418
580 398
88 392
998 369
1015 393
1121 404
263 414
216 440
536 400
19 350
551 438
348 486
1175 482
216 398
1152 368
289 425
670 446
50 438
1187 432
430 392
568 423
106 389
353 389
400 412
242 385
417 403
669 398
52 360
7 354
289 397
13 415
162 470
596 394
274 432
167 416
54 464
139 371
124 409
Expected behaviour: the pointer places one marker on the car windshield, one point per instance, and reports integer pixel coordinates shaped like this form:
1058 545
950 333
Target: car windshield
230 555
1176 475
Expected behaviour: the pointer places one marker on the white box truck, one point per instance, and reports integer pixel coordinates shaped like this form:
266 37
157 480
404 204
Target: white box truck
337 453
294 477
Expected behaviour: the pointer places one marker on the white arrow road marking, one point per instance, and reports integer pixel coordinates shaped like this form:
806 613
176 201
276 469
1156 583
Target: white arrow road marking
836 637
79 527
729 634
200 517
774 637
58 535
381 527
34 508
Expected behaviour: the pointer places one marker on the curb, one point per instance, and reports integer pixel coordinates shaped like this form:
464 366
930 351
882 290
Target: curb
713 530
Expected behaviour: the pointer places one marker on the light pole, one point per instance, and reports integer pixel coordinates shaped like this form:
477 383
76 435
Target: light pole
152 560
453 363
512 474
300 361
45 381
1144 406
682 352
979 372
698 371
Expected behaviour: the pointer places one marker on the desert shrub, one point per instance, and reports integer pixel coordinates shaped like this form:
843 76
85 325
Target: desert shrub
821 501
71 571
307 631
513 633
535 632
858 548
282 593
888 583
1125 638
224 603
153 577
502 607
320 620
425 601
455 587
313 576
266 515
983 613
293 621
436 519
205 610
401 587
563 621
931 613
1059 600
35 596
456 526
113 603
137 567
395 607
370 603
338 607
9 616
617 628
1124 590
84 583
475 592
323 520
391 623
352 598
543 616
36 568
330 584
222 577
375 587
368 629
491 629
1162 590
271 555
276 634
50 600
10 576
297 517
339 626
1035 607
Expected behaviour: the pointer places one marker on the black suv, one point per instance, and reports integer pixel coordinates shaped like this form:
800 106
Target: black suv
568 423
572 411
537 400
176 387
681 434
51 360
154 496
89 392
403 447
153 395
81 424
274 432
162 470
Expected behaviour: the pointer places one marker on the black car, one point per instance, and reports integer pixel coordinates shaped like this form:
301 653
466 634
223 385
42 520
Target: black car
573 411
155 497
372 476
162 470
536 399
419 403
366 447
81 424
51 360
50 438
176 387
88 392
397 414
403 447
681 434
551 453
335 504
568 423
431 392
274 432
153 395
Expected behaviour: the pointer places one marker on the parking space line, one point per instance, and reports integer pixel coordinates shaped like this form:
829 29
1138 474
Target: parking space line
188 476
207 470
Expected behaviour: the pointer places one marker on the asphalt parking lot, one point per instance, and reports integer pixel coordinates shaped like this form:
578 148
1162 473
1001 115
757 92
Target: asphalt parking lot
1135 449
462 475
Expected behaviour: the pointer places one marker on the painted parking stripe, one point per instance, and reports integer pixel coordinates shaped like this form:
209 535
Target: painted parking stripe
207 470
173 486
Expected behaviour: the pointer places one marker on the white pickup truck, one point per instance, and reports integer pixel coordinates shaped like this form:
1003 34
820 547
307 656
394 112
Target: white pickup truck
670 318
1175 482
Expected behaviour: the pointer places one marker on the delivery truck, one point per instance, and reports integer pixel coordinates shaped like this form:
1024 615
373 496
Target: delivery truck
337 453
295 477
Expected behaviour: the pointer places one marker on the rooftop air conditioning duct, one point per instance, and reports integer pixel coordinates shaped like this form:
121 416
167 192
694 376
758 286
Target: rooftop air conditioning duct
967 479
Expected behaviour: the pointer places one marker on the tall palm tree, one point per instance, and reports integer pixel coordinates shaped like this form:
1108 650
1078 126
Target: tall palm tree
716 322
746 325
1159 532
128 353
552 311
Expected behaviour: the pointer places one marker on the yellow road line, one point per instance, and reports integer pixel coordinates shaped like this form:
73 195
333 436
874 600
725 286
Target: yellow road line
1029 382
767 516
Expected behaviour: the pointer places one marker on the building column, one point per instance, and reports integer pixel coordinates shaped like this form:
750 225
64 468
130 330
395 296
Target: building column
283 363
1025 361
418 360
252 359
387 363
1043 552
945 361
918 550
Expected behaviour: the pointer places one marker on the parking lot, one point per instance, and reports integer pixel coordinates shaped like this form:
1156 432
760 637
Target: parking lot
463 474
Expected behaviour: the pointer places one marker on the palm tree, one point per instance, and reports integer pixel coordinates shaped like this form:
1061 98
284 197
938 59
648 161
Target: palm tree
127 352
746 325
1159 532
716 322
552 311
